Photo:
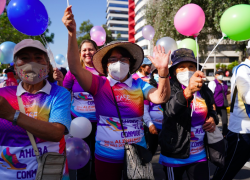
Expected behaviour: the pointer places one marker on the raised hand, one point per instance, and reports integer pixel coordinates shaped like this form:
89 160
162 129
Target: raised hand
161 60
195 84
58 75
68 20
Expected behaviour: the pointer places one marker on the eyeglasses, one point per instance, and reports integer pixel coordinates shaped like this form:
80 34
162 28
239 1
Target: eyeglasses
122 59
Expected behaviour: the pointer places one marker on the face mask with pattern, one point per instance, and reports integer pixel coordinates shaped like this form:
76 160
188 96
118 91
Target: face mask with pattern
32 73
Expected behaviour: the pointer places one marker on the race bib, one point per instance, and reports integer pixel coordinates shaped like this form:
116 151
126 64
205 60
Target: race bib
196 140
83 102
110 134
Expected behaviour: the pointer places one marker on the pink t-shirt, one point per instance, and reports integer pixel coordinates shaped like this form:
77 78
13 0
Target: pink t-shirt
82 104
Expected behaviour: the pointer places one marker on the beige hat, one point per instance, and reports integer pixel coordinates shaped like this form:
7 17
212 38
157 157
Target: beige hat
135 51
29 43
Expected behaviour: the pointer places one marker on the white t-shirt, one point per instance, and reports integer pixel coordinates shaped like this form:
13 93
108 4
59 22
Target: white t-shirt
239 122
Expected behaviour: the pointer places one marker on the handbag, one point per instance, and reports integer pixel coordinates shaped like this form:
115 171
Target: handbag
247 107
51 164
136 158
216 149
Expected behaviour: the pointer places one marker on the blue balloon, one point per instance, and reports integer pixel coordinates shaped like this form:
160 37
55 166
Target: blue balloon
28 16
7 49
60 59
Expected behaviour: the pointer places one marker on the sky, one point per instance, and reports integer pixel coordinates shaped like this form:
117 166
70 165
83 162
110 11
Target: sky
93 10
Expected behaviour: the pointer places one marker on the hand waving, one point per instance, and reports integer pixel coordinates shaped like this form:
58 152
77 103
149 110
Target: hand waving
161 60
68 20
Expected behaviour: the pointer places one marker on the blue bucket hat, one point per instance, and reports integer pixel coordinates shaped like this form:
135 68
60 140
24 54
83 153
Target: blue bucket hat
182 55
146 61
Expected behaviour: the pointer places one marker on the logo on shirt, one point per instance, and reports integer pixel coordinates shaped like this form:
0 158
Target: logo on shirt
11 160
193 138
85 97
115 126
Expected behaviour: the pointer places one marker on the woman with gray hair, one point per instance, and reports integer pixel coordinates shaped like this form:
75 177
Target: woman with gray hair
47 113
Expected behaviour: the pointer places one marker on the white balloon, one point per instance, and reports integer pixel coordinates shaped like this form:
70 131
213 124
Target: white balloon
168 43
80 127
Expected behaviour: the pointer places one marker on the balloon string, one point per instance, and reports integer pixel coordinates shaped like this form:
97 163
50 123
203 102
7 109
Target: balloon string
212 51
68 2
195 95
52 61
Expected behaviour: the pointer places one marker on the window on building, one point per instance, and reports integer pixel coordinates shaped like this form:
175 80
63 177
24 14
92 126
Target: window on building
117 12
144 47
118 25
122 39
209 72
119 32
138 2
140 10
118 5
139 20
118 18
138 30
140 39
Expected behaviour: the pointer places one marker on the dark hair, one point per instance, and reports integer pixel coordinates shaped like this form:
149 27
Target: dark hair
50 74
10 69
248 52
124 52
63 70
142 66
87 41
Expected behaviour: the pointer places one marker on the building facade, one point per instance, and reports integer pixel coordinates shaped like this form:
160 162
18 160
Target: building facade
117 19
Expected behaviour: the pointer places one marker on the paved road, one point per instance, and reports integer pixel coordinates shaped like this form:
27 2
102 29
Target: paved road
244 173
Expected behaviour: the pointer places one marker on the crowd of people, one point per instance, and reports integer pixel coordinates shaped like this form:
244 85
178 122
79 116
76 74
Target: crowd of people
155 103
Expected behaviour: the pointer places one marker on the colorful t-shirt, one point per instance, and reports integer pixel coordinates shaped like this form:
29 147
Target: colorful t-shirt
82 104
156 114
129 96
139 75
50 104
197 149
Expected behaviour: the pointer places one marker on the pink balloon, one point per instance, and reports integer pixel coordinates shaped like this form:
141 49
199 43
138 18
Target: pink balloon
99 38
189 20
97 28
2 5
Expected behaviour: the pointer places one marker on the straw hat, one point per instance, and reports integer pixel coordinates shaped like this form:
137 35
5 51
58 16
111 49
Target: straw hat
135 51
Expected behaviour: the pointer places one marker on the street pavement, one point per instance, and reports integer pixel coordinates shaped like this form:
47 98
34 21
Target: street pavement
244 173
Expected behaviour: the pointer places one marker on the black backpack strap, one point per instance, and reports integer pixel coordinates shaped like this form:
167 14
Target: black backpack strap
119 114
233 100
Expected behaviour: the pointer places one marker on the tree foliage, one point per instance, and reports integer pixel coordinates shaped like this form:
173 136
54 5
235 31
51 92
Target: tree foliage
160 15
84 32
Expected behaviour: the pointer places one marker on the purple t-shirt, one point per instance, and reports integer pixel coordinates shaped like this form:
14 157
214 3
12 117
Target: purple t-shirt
82 104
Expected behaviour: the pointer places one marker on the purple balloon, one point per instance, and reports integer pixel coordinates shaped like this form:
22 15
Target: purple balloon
99 38
148 32
97 28
78 153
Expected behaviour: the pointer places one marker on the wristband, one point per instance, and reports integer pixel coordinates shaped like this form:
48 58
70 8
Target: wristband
14 122
165 77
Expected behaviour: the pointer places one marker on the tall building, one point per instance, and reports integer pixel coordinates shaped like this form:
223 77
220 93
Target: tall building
117 18
140 22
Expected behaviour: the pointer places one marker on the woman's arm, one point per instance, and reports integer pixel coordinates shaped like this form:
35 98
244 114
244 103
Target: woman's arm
44 130
162 93
83 76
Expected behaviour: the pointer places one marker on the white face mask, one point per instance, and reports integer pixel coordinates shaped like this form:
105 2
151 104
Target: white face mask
220 77
118 70
184 77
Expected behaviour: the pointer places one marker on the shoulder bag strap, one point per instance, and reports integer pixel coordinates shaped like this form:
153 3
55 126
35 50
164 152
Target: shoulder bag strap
233 100
119 114
31 137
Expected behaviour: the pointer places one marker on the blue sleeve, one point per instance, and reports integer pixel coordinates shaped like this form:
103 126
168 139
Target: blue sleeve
60 110
145 87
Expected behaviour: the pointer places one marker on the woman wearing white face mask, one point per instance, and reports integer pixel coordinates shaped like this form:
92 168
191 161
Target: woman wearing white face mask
117 61
220 91
182 135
